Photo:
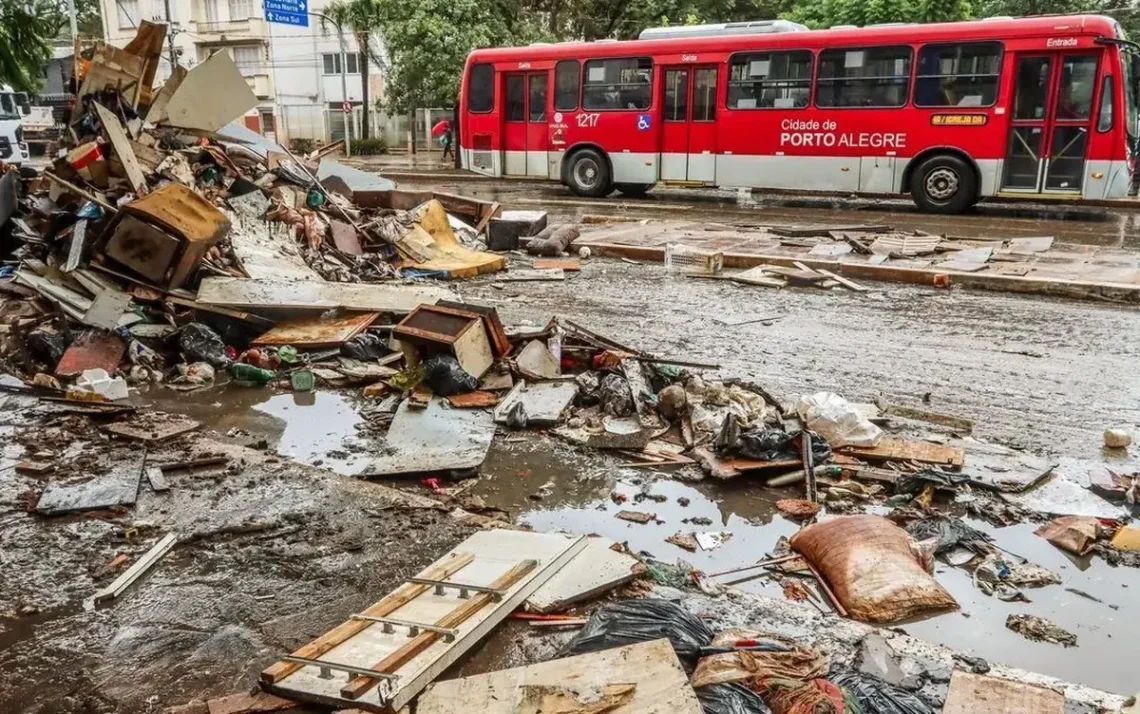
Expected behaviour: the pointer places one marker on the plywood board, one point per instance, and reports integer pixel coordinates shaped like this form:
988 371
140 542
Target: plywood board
268 250
448 255
153 426
122 145
543 402
211 95
595 571
976 694
661 684
436 438
896 448
91 351
118 487
496 552
270 293
318 331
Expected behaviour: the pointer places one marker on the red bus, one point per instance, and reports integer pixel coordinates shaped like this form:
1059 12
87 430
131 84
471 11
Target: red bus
949 113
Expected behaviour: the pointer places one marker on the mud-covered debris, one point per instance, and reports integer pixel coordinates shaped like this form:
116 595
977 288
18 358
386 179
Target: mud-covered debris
1039 629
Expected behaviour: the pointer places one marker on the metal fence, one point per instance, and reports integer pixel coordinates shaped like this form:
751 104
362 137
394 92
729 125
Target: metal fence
320 124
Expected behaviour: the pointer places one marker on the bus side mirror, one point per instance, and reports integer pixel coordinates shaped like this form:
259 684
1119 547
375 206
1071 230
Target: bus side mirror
26 109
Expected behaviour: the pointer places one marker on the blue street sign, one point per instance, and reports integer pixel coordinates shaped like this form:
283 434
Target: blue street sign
288 12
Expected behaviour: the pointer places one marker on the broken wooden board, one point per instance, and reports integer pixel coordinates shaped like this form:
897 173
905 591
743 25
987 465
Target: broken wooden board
595 571
960 424
92 350
661 684
152 427
157 479
137 569
977 694
496 554
448 255
1058 496
435 438
823 231
522 275
473 400
570 265
318 331
543 402
904 245
757 276
246 703
113 128
265 294
897 448
1001 468
118 487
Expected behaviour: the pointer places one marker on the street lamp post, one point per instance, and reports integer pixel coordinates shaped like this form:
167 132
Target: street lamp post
343 80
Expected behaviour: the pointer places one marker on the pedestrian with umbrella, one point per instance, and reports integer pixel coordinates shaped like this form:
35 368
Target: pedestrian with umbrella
442 130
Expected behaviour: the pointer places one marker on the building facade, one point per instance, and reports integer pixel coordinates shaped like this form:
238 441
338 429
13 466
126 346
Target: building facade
293 71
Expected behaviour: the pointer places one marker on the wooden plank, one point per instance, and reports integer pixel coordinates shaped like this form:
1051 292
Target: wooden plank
571 265
473 400
954 422
661 684
596 570
255 320
976 694
133 573
849 284
122 145
386 606
318 330
455 618
897 448
241 293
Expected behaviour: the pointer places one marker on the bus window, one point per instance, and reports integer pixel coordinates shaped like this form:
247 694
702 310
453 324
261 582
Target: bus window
618 84
960 75
481 89
1078 80
537 97
676 95
567 76
780 80
1104 120
871 77
516 98
704 94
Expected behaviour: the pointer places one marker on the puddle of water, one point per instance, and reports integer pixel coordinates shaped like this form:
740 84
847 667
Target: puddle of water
580 502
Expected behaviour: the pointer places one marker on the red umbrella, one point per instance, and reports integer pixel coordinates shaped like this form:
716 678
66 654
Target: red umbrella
440 127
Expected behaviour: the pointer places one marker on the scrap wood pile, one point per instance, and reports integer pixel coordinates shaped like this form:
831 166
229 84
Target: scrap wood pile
166 242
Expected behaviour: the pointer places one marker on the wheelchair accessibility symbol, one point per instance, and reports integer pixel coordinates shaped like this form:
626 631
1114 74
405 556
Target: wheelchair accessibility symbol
643 122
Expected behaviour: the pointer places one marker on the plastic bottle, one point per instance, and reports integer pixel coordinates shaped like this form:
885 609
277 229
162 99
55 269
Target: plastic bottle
248 373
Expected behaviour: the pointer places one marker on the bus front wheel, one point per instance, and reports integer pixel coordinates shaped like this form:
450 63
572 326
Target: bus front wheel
589 174
943 184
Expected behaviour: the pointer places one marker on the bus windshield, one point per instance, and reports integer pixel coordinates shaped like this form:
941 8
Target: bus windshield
8 108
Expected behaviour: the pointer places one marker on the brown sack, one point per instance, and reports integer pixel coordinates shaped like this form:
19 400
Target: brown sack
749 667
873 567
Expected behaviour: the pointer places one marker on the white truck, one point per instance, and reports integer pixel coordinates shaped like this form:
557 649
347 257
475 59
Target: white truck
13 107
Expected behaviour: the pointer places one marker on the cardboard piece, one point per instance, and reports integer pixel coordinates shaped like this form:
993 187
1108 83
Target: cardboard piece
977 694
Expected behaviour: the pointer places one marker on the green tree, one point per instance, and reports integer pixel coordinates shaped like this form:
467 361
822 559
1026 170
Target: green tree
27 28
361 18
827 13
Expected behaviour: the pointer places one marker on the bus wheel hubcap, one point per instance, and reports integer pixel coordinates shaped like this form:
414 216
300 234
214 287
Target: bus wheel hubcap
587 173
941 184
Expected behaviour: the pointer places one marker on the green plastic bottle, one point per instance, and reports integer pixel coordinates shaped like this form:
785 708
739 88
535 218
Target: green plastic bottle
249 373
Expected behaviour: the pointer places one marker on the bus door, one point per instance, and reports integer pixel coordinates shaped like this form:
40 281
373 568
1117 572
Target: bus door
688 124
525 135
1049 122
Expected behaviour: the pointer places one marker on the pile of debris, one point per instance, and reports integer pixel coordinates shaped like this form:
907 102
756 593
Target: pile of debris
167 242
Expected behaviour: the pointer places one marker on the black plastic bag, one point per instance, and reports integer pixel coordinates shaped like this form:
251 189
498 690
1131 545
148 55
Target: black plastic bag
47 347
201 344
365 347
766 444
915 482
876 696
633 621
731 698
950 532
445 377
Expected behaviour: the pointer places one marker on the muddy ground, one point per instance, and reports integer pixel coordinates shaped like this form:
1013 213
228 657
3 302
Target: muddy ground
285 551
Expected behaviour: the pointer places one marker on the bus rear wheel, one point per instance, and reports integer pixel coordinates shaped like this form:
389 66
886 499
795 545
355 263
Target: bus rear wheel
589 174
943 184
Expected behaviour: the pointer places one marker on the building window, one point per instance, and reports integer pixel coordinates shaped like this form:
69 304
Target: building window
267 126
618 84
481 89
128 13
248 60
211 11
871 77
770 80
567 78
241 9
331 63
962 75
